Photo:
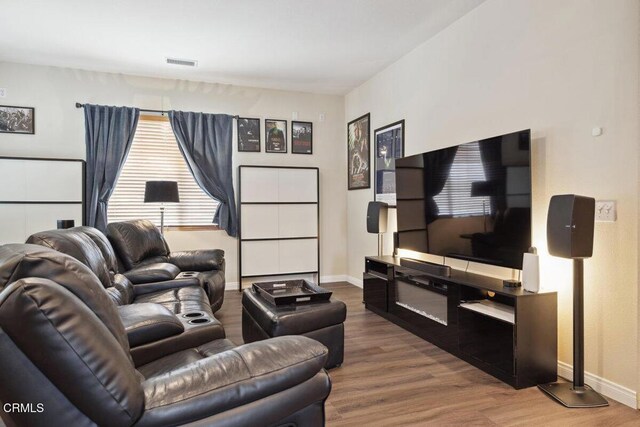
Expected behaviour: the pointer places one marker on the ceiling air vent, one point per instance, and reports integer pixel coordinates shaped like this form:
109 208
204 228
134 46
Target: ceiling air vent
183 62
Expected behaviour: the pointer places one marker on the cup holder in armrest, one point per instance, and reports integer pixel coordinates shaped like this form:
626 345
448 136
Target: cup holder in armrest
193 314
187 275
199 321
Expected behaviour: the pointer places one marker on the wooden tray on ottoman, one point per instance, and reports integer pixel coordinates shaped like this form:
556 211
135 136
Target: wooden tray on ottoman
288 292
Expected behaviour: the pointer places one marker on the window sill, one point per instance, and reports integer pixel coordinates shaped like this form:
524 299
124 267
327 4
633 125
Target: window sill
192 228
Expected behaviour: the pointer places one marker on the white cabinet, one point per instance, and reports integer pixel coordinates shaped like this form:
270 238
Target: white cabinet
279 222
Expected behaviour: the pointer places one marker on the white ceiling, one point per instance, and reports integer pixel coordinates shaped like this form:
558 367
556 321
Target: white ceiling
324 46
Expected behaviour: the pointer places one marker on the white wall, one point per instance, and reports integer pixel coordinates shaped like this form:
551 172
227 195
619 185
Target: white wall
559 68
60 133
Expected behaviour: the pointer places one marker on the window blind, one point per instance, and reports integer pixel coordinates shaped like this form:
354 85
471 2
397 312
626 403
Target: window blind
155 156
455 198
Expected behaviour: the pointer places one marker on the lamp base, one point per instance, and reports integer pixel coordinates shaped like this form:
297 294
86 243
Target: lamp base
574 397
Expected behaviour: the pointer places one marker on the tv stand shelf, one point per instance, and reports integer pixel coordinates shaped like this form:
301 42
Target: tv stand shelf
492 309
507 332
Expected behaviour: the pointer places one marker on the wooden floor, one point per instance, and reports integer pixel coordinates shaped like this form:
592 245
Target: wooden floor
392 378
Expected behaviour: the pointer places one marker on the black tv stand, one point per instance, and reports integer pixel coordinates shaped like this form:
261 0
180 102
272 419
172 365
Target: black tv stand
507 332
427 267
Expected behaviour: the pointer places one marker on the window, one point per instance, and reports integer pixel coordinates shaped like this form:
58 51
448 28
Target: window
155 156
455 198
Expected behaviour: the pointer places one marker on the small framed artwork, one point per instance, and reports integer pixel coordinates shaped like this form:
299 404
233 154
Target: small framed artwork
17 119
358 153
302 137
248 134
389 146
275 135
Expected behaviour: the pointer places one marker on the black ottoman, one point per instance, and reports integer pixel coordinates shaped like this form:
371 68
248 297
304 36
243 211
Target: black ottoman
321 321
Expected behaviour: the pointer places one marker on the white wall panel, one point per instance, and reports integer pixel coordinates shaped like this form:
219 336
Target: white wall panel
297 185
39 180
259 184
298 255
298 220
260 221
260 257
19 221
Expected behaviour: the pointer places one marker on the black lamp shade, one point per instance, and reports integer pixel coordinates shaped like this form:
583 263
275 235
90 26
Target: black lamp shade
161 192
482 188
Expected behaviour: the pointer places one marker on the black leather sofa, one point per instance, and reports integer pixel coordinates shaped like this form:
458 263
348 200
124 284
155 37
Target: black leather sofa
63 346
143 255
159 317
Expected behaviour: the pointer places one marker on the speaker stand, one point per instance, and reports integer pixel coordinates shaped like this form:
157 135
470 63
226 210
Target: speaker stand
576 395
379 244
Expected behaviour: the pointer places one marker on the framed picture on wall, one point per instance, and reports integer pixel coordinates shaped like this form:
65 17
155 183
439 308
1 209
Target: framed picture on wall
389 146
358 153
248 134
302 137
17 119
275 135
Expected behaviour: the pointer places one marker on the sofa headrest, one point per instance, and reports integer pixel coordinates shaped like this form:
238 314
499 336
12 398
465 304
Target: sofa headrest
77 244
68 344
103 244
135 241
19 261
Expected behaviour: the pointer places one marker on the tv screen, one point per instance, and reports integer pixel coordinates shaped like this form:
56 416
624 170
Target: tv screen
471 201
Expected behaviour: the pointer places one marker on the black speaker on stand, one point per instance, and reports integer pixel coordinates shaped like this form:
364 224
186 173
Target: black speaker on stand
570 224
377 221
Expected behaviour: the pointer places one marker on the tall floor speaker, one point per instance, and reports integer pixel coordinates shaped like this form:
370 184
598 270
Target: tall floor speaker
570 224
377 221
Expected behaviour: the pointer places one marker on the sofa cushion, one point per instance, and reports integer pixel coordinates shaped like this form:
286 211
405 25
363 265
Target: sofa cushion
20 261
204 386
198 260
103 244
156 272
78 245
179 359
189 293
135 241
65 340
146 322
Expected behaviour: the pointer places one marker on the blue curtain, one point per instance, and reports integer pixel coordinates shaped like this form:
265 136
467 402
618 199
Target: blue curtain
108 135
205 143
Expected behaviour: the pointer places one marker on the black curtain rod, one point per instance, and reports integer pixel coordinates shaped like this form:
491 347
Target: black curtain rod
144 110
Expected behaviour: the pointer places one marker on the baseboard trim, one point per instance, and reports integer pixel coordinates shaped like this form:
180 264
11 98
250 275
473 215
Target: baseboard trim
231 286
608 388
330 279
354 281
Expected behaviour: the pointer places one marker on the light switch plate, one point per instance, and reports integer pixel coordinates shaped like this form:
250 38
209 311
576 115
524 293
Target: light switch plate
606 211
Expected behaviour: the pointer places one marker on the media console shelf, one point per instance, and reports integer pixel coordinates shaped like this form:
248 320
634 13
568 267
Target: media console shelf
507 332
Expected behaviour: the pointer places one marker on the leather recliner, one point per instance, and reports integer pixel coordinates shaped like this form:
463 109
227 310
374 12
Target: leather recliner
156 315
64 349
140 247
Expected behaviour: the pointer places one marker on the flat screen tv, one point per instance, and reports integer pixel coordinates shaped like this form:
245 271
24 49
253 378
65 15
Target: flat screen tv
470 201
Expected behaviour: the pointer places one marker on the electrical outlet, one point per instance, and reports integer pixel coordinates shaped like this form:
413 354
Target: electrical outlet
3 92
321 117
606 211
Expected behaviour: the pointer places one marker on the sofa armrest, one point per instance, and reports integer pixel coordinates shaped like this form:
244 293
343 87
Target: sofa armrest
198 260
147 322
145 288
156 272
237 377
